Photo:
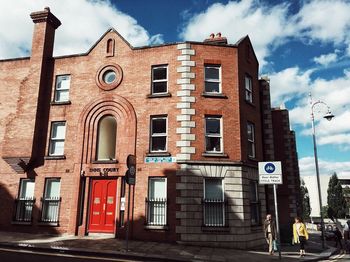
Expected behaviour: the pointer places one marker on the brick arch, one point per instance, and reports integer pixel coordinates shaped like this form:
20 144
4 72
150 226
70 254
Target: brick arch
124 113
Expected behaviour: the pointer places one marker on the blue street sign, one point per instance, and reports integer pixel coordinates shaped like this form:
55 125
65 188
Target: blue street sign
270 168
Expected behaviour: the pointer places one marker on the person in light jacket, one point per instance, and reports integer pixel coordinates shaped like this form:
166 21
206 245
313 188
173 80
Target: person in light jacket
300 234
270 232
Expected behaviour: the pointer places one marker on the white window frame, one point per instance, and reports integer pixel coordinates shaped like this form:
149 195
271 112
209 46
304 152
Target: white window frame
251 142
61 89
159 134
248 88
46 214
214 135
256 202
223 199
212 80
22 181
160 80
54 140
166 198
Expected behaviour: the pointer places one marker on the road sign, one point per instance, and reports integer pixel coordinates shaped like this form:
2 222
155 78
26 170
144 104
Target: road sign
158 159
270 173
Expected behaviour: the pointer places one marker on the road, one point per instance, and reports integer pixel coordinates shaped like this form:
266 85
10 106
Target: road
11 255
340 258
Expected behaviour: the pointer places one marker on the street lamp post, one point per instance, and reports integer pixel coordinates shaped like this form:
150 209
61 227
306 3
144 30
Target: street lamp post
329 117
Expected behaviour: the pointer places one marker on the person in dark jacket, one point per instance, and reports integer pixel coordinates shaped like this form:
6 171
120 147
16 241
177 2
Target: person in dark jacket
270 232
338 239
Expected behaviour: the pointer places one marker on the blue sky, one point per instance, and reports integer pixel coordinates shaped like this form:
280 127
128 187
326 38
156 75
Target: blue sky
303 46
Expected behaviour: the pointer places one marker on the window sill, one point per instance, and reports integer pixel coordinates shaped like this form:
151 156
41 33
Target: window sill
153 154
57 103
215 95
55 157
210 154
215 229
105 161
159 95
49 224
23 223
151 227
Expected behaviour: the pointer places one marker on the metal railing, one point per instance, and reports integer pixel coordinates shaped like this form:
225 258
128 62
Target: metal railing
156 211
214 212
50 209
23 209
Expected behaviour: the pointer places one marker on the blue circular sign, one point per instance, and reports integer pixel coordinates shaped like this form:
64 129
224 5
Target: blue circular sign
270 168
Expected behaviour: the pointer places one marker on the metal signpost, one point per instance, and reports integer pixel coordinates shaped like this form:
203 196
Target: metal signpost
130 179
270 173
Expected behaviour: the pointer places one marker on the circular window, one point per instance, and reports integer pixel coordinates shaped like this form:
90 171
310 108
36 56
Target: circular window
109 77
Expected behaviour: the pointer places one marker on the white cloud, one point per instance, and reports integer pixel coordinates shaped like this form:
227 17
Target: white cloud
289 84
326 21
265 25
83 22
326 59
307 167
294 83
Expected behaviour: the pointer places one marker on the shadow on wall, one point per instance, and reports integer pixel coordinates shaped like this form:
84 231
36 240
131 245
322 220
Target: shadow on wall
206 215
23 214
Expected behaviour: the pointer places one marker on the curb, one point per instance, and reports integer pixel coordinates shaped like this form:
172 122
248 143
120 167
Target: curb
84 252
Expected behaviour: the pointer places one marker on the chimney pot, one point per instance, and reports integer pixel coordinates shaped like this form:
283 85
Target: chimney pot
218 34
212 35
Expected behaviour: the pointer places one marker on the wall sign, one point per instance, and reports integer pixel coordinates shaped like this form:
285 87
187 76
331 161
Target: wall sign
270 173
103 171
158 159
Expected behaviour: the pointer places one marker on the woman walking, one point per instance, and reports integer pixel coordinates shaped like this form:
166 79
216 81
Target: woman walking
300 234
270 232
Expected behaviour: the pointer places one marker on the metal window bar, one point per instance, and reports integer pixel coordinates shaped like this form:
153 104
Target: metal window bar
156 211
50 209
23 209
215 212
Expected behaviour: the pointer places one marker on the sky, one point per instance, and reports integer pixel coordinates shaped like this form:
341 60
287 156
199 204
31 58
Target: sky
303 46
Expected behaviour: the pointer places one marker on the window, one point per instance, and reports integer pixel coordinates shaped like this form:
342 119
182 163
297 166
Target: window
51 201
58 133
107 137
157 202
160 79
62 88
158 134
254 203
251 139
213 134
214 204
25 201
248 89
212 76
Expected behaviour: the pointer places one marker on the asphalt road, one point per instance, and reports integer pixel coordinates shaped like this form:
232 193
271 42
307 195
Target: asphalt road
11 255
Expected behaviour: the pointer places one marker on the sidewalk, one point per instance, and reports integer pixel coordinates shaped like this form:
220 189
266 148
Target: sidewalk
151 251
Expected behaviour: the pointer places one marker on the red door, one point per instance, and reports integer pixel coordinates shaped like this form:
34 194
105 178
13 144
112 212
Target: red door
102 206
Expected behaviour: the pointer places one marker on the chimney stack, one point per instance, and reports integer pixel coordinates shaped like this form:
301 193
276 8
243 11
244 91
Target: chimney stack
216 39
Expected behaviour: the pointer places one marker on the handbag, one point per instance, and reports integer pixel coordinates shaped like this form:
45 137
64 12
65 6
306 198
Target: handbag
274 245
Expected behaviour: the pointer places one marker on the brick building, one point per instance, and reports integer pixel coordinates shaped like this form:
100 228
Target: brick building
193 113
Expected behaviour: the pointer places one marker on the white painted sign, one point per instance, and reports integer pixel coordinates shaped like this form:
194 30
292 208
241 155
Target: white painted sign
270 173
